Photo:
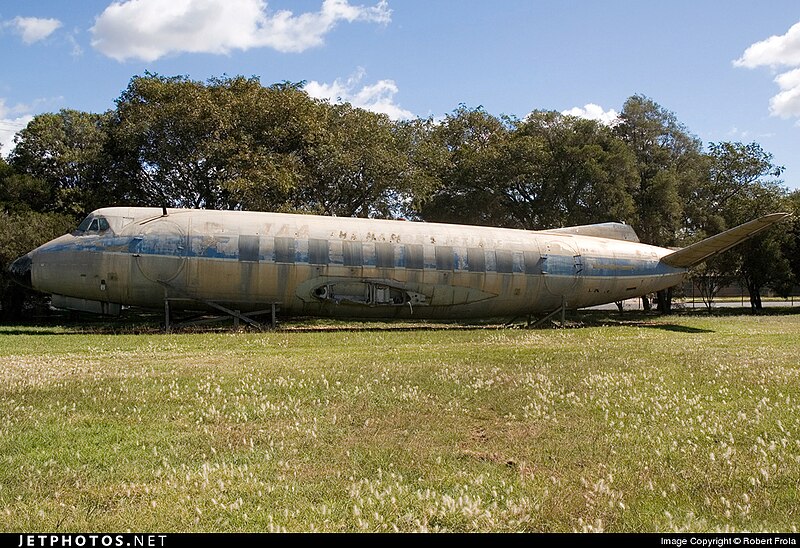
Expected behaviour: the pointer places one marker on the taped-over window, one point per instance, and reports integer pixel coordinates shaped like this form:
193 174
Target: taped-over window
318 251
414 256
384 255
351 252
248 247
284 250
476 259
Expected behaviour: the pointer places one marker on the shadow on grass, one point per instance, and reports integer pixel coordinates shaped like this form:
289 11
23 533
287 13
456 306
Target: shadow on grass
655 320
602 318
65 323
675 328
137 321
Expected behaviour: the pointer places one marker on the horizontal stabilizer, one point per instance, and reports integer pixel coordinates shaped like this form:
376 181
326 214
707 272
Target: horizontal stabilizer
612 231
702 250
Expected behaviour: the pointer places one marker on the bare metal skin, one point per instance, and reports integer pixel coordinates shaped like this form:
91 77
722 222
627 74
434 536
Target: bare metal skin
351 268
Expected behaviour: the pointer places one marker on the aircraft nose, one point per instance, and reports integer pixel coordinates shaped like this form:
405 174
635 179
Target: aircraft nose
20 270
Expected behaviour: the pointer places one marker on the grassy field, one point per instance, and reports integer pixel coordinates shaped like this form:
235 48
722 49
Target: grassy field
626 423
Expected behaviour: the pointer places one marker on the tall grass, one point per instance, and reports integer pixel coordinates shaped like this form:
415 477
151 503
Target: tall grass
687 423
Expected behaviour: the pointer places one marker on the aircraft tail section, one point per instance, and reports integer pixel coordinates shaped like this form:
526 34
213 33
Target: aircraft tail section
702 250
612 231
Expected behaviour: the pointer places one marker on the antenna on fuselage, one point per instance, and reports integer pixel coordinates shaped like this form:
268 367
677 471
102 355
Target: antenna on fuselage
164 211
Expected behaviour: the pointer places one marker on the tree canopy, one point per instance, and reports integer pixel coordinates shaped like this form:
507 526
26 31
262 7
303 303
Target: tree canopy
233 143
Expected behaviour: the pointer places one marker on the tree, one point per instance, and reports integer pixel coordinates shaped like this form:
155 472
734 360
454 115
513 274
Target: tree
23 228
22 192
20 233
547 171
762 259
228 143
566 171
60 162
713 275
470 143
233 143
669 162
733 171
742 183
665 153
357 167
426 158
792 248
166 136
270 133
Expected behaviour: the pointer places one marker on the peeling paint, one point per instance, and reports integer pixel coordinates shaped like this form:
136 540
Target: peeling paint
246 260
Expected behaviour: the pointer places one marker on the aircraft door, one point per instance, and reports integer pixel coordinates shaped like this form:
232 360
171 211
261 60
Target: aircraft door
160 250
562 270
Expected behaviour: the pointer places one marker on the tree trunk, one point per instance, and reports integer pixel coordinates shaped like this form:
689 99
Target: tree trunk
665 301
13 302
755 297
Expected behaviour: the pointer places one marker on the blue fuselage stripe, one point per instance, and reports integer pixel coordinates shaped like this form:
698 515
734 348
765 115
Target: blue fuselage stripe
198 247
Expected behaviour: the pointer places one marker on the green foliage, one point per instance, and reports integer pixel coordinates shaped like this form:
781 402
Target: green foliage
582 173
232 143
20 233
736 175
356 168
548 171
426 157
24 193
792 249
471 142
742 184
170 136
667 159
61 161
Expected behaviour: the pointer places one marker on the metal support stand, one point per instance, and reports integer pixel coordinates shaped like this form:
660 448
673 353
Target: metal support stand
561 310
237 315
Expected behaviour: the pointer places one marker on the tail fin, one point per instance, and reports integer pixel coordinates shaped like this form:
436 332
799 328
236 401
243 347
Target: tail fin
702 250
613 231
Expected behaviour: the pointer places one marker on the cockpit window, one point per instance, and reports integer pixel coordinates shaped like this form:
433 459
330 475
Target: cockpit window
92 225
84 226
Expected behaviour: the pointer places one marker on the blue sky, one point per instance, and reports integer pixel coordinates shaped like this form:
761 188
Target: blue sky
728 69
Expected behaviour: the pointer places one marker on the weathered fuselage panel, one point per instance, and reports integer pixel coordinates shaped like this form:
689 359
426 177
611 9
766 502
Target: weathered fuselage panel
342 267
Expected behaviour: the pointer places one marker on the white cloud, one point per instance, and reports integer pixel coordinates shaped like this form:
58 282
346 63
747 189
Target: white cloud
10 125
736 134
33 29
774 52
590 111
377 97
786 104
77 50
150 29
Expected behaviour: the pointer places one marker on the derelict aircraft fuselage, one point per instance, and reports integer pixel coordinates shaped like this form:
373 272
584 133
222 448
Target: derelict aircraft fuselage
322 266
